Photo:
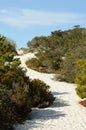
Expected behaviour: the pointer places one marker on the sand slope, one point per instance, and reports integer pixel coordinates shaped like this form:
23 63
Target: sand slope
64 114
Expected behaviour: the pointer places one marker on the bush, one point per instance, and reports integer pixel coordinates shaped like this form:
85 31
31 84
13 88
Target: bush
33 63
18 94
60 52
40 95
81 80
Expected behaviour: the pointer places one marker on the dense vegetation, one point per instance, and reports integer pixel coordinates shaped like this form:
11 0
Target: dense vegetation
18 93
59 52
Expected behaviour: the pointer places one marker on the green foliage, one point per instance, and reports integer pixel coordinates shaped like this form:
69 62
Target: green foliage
46 48
14 105
17 91
59 52
81 80
44 62
40 95
14 90
33 63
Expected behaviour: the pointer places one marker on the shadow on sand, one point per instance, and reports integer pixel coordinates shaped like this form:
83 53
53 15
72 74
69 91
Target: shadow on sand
45 114
57 93
59 102
37 117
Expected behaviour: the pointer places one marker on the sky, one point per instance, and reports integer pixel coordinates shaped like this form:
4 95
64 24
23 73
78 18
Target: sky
22 20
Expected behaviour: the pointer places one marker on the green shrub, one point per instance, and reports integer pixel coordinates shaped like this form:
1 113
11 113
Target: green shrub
81 80
40 94
59 52
33 63
18 94
81 91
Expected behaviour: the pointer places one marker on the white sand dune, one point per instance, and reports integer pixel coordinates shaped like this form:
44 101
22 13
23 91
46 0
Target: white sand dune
65 113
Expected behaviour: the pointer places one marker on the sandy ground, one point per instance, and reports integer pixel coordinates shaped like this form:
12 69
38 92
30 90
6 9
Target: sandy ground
65 113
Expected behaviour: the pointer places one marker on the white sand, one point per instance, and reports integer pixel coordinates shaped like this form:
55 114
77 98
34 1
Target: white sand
65 113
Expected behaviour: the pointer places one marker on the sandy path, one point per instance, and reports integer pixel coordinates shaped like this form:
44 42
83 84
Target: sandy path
64 114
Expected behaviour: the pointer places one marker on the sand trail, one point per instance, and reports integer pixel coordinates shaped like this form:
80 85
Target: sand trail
64 114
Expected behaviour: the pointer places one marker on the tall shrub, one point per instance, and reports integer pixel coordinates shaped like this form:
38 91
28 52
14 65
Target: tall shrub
81 80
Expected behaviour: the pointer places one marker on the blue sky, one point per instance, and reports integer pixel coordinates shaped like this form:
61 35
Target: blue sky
22 20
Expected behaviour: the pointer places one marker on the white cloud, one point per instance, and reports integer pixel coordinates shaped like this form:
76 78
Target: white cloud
27 17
